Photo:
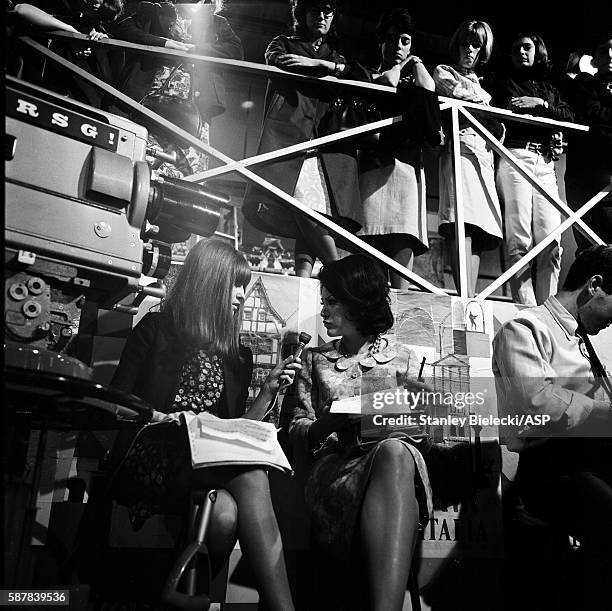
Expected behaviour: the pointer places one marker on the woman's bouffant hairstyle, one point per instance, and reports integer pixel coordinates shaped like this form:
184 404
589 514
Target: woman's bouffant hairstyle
199 300
359 283
299 8
478 32
398 18
541 52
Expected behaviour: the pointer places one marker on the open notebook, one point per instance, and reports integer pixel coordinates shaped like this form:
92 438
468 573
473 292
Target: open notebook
234 441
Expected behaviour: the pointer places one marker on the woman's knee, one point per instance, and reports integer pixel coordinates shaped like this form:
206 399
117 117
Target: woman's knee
224 517
394 459
252 481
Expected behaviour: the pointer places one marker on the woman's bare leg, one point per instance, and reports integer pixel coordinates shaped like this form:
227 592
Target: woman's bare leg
304 258
317 239
222 532
399 248
258 531
474 263
389 522
471 267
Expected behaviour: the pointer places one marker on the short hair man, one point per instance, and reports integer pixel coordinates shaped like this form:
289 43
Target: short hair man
544 364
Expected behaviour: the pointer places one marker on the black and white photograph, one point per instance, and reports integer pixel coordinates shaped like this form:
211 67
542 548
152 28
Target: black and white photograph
307 306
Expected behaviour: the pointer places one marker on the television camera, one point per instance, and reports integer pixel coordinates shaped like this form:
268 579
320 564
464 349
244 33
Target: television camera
85 220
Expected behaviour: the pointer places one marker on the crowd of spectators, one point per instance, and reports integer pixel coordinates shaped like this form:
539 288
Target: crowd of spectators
374 187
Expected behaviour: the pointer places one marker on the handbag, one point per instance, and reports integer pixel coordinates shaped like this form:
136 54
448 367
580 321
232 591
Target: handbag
349 112
183 112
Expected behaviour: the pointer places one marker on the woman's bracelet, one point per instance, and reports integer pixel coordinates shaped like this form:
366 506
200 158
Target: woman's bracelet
338 69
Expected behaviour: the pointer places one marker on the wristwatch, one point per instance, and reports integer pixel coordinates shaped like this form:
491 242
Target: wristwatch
545 104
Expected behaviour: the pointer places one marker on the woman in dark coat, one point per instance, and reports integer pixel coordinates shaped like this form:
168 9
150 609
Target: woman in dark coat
296 111
187 358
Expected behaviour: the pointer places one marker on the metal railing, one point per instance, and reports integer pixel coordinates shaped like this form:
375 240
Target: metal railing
457 109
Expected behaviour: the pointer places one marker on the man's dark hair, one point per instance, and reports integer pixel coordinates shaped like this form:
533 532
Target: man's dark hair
596 260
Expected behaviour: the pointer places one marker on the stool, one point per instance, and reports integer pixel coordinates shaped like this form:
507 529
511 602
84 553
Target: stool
199 518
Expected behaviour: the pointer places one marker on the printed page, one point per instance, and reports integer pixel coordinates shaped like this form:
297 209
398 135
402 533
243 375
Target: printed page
250 432
216 445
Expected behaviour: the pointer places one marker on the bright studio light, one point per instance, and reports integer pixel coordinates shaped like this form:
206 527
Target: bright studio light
584 65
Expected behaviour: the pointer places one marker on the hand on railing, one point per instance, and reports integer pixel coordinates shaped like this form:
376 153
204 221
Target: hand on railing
178 46
95 35
524 103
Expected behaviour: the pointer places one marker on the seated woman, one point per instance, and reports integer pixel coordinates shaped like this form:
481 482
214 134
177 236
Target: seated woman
188 358
363 500
391 177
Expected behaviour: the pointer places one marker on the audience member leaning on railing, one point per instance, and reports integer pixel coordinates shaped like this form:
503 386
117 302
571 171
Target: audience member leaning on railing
525 87
141 24
470 47
391 178
325 180
208 34
183 93
90 17
589 159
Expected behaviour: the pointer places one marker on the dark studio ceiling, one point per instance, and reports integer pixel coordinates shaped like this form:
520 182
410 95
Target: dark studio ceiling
564 27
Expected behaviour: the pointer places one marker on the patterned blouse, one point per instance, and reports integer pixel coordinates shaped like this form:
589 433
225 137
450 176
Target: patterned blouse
201 384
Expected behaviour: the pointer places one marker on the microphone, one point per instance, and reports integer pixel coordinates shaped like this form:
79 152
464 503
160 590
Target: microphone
303 339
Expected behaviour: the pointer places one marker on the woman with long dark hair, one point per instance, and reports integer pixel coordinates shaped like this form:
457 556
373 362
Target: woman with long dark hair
188 358
525 88
296 111
366 499
470 47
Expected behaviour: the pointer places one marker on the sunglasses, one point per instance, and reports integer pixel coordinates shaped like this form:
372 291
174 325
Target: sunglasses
327 11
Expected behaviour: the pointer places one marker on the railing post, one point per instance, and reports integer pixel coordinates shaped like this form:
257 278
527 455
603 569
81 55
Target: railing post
536 250
459 217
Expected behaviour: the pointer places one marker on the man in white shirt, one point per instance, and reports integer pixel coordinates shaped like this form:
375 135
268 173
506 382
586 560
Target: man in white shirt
545 365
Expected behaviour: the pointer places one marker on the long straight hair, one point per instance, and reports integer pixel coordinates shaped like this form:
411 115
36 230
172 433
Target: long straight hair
200 298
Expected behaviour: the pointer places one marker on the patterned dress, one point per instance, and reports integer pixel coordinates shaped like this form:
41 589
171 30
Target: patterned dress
158 462
339 471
